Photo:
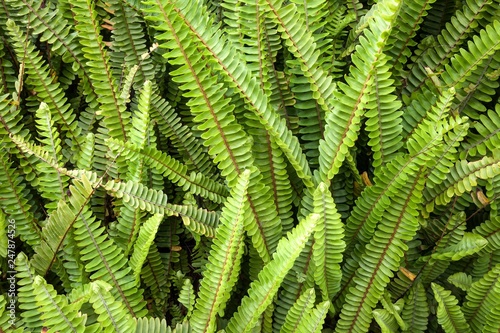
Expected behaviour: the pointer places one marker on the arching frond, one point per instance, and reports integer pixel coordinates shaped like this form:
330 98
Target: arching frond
450 317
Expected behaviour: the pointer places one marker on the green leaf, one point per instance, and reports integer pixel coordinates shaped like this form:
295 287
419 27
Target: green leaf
450 317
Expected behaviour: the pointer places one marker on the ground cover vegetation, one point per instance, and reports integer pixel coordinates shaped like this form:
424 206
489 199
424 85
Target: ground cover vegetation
249 166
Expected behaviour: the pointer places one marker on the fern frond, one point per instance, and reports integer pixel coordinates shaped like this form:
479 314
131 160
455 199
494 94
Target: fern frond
401 41
188 145
450 317
328 243
262 291
57 313
129 42
116 118
468 245
481 297
52 182
113 315
462 177
46 90
342 124
416 309
196 183
105 260
298 311
15 201
143 243
448 43
382 255
461 280
187 297
223 265
26 294
229 144
490 230
239 78
59 225
152 325
313 321
487 138
492 324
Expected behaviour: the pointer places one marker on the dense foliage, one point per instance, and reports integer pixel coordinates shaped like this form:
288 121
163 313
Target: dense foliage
249 166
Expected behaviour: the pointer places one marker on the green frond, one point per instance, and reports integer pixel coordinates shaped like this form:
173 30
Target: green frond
460 280
188 145
449 314
240 78
128 43
105 261
447 43
187 297
15 201
115 117
4 241
46 89
52 182
401 41
113 315
229 144
197 220
86 157
298 311
59 225
343 122
152 325
262 291
382 255
490 231
480 48
481 297
468 245
394 309
154 276
175 171
416 309
328 243
487 138
493 318
223 265
313 321
26 294
385 320
462 178
143 243
57 314
383 115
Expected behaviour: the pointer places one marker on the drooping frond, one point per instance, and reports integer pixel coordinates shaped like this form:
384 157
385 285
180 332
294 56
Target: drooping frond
468 245
450 317
175 171
223 265
262 291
